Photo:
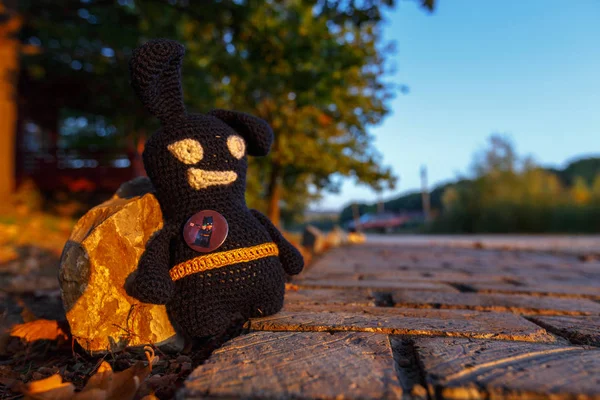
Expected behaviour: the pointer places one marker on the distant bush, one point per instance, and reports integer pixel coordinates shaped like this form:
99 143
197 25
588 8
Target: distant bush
523 218
511 195
508 194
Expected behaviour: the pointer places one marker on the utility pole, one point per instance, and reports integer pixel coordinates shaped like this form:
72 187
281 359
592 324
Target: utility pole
425 193
380 206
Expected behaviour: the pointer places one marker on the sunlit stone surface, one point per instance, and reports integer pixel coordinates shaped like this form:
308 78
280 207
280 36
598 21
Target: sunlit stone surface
103 250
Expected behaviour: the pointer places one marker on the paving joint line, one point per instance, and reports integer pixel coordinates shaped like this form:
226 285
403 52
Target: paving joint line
463 287
413 366
558 332
383 298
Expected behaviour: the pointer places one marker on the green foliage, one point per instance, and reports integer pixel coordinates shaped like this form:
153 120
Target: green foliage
595 190
510 194
409 202
312 68
84 47
499 158
314 73
586 168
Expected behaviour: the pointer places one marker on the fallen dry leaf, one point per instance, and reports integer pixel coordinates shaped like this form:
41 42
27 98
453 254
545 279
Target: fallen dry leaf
125 384
8 233
92 394
103 385
101 380
41 329
356 238
117 385
7 254
51 388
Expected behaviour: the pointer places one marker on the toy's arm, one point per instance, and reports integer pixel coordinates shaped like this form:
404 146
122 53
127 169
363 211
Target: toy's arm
290 257
152 283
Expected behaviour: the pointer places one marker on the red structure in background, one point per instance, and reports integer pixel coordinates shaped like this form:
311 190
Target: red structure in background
50 164
385 221
53 169
60 173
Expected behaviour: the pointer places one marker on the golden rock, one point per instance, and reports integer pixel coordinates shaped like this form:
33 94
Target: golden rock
101 253
313 240
356 238
336 237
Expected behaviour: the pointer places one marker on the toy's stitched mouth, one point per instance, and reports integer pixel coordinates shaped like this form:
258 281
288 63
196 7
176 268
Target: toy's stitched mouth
200 179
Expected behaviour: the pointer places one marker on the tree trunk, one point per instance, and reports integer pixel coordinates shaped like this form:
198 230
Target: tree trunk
274 195
135 150
9 68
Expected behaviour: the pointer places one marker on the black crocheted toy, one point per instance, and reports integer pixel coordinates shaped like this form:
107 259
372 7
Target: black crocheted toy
233 260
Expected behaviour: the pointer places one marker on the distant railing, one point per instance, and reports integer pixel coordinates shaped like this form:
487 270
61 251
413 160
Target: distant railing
386 221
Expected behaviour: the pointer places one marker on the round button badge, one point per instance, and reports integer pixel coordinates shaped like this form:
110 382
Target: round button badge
205 231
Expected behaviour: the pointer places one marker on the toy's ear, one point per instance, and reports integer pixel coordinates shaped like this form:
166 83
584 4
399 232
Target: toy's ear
155 69
257 133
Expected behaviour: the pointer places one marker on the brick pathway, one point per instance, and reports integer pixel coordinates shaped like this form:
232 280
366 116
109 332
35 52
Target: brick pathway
424 322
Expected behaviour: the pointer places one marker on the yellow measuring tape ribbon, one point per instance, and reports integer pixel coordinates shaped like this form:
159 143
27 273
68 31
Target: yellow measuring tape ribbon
222 259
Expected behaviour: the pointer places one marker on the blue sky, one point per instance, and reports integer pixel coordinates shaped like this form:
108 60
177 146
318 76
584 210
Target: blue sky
527 68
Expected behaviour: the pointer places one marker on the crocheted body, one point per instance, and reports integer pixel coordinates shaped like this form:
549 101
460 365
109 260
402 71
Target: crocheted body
205 303
198 162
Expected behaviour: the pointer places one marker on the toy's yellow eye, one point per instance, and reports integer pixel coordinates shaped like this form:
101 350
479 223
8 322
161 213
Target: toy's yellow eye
188 151
236 146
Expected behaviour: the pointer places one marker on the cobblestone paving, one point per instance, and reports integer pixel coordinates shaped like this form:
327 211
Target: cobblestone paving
423 321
